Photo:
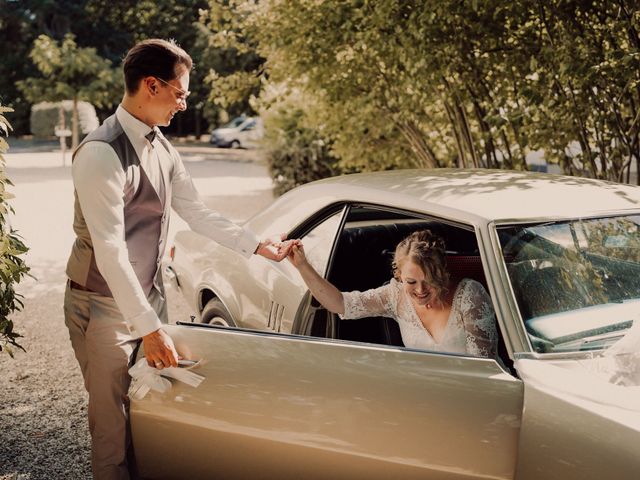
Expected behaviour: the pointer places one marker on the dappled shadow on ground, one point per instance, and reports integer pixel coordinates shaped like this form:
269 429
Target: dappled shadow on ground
44 431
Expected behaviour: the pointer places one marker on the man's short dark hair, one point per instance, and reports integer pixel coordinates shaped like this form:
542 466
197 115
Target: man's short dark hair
153 58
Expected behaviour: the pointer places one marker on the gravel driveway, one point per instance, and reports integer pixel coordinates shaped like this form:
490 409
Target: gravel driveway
43 426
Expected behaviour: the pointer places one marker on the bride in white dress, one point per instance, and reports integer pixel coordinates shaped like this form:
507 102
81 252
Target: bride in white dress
432 313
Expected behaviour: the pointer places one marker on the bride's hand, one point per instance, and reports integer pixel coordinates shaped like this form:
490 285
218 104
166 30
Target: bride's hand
296 255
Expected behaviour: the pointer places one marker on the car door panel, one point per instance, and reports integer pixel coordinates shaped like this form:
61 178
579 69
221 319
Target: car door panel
201 264
569 437
280 406
228 273
275 287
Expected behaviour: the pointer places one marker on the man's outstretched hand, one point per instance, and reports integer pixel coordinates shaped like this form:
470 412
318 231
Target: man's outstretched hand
274 250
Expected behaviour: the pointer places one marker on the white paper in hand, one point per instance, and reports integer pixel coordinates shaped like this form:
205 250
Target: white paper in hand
145 378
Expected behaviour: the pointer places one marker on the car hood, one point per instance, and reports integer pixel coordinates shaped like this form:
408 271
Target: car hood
605 385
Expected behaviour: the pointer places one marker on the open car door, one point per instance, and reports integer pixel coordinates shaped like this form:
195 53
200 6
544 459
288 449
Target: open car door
283 406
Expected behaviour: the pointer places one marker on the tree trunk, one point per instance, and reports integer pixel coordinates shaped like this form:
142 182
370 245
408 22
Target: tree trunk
75 134
508 160
425 156
466 134
198 125
462 161
488 144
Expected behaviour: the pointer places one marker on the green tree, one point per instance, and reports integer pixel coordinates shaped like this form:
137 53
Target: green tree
233 66
20 24
70 72
296 153
12 267
475 83
588 57
130 21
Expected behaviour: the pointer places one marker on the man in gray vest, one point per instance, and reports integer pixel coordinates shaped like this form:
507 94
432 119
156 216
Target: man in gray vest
127 177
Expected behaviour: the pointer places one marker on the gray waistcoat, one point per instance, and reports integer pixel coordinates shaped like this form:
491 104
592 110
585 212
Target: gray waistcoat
146 218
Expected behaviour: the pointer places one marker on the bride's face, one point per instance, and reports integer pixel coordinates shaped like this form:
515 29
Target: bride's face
415 284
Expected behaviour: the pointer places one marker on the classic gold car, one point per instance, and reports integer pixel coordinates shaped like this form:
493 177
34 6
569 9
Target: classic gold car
291 391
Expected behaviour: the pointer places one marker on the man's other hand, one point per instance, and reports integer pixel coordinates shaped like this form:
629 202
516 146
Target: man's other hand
159 350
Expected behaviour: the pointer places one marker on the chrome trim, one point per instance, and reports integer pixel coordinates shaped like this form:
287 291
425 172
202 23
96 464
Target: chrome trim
172 275
509 296
534 220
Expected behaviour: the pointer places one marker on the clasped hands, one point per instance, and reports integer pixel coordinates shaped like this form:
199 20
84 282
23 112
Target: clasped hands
277 250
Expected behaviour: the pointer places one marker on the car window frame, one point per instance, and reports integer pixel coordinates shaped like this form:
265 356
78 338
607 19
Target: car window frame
418 216
310 223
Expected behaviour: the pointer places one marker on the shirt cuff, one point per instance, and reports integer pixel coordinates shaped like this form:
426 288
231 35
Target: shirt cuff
247 244
144 324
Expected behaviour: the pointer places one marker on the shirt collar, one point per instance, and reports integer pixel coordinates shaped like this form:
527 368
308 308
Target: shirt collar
135 129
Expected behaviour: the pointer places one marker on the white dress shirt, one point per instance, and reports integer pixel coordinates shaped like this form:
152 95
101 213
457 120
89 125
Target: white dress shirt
99 180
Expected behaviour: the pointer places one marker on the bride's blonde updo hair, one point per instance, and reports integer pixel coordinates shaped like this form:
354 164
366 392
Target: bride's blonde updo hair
426 250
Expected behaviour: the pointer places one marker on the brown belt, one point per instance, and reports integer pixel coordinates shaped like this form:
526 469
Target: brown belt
77 286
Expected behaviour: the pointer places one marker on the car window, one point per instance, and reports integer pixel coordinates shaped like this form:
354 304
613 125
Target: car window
249 126
577 283
363 260
235 122
319 240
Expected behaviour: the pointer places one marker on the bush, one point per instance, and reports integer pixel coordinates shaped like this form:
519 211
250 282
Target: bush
45 116
297 152
12 267
301 160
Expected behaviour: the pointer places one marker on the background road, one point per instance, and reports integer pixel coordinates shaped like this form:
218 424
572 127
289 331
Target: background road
43 427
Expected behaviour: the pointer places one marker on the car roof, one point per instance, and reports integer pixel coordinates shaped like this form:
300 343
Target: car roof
484 194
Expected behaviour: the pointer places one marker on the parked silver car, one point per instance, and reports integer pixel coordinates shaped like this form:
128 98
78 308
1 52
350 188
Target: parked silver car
241 132
291 391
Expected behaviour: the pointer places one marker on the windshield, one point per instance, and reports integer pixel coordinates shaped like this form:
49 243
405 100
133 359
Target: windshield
577 283
235 122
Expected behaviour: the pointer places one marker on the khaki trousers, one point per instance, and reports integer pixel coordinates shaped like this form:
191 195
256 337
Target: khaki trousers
103 347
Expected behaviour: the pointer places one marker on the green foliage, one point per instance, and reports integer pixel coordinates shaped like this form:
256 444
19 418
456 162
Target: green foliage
45 116
109 27
447 83
234 66
296 153
129 21
12 267
70 72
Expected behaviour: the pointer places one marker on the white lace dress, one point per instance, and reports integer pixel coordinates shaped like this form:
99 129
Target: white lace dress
471 327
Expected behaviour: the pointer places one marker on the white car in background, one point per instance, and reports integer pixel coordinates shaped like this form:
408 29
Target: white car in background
241 132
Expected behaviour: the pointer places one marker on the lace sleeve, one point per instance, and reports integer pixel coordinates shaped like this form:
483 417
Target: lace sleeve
377 302
479 320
